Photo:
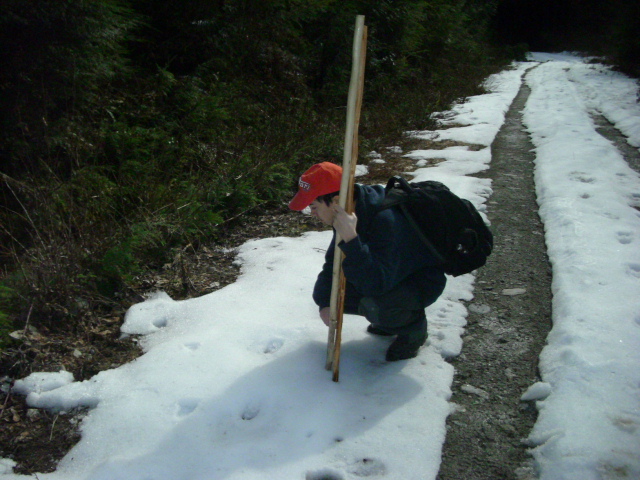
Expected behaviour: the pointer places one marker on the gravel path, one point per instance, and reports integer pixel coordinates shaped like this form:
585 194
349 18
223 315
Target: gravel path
508 322
509 318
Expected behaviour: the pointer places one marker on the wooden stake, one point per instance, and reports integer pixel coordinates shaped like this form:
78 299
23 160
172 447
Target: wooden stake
349 162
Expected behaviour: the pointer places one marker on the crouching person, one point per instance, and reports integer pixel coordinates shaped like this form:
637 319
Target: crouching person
391 277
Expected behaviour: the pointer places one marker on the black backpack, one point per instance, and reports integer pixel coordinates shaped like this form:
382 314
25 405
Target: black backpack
450 226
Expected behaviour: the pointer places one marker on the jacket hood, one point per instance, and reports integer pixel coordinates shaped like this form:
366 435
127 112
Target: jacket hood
368 198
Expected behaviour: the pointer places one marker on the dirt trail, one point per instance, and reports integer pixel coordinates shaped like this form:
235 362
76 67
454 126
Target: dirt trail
508 322
509 318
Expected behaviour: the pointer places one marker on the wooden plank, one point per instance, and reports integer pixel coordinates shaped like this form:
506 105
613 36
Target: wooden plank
349 163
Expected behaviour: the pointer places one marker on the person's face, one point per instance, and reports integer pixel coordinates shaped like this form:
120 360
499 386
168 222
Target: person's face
323 211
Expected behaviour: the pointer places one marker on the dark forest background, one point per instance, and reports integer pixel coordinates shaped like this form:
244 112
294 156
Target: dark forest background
131 128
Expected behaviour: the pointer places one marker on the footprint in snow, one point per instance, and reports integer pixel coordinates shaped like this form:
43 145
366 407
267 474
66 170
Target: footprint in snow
625 238
581 177
610 216
161 322
250 412
273 345
626 424
368 467
186 406
324 474
633 269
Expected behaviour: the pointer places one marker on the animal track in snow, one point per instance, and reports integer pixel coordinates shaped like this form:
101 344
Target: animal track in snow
626 424
625 238
324 474
186 406
273 345
610 215
368 467
192 345
250 412
581 177
160 322
439 335
633 269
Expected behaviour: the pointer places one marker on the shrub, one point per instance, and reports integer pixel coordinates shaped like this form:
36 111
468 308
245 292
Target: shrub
156 124
7 299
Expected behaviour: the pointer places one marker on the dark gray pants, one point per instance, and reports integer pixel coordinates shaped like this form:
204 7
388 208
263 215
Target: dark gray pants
400 311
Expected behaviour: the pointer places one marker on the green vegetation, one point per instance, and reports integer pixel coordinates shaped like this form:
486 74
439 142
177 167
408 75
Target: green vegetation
132 128
5 324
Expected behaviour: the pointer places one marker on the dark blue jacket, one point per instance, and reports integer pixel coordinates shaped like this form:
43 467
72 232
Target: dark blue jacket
383 254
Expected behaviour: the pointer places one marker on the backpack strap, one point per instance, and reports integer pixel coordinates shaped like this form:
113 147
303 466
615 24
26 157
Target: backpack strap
402 183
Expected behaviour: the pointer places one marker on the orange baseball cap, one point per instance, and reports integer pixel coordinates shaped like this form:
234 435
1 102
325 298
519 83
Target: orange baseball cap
320 179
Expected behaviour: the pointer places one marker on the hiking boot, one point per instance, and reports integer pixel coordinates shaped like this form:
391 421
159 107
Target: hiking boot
378 331
405 346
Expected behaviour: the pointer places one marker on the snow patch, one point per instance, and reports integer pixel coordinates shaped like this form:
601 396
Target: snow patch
537 391
42 382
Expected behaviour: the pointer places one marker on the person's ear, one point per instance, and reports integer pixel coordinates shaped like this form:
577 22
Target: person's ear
335 200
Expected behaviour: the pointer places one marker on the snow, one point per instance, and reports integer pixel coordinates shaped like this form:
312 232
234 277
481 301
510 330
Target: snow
586 193
537 391
232 384
361 170
41 382
6 466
